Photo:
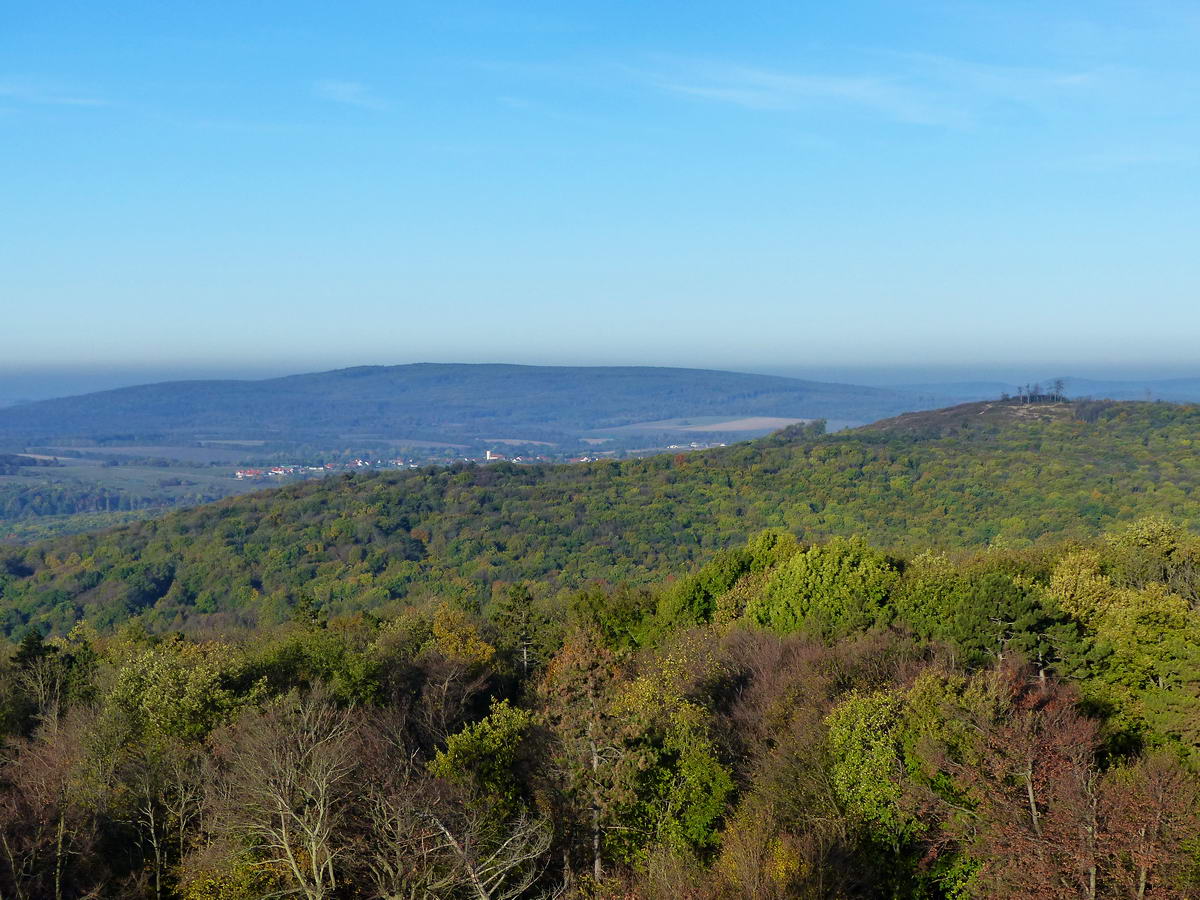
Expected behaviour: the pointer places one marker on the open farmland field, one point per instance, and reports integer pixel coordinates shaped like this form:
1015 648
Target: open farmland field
209 455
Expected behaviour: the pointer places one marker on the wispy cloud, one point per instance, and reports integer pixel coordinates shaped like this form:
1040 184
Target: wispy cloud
1121 158
972 81
349 93
28 91
756 88
912 89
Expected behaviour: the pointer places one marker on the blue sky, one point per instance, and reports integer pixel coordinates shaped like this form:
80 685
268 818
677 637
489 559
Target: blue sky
290 186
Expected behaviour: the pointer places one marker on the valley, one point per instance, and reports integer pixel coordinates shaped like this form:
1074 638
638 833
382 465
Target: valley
144 450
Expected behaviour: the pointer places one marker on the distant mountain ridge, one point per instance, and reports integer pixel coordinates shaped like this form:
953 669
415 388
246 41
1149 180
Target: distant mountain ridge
453 401
439 401
141 450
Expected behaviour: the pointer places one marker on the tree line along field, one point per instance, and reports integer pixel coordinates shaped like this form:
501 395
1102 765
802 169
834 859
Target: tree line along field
790 720
92 487
74 495
987 475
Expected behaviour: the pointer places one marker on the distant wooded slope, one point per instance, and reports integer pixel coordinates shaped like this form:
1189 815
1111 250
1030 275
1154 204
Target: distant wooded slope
435 402
976 475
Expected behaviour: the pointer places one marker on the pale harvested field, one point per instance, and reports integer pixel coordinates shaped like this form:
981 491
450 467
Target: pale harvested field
516 442
752 423
704 423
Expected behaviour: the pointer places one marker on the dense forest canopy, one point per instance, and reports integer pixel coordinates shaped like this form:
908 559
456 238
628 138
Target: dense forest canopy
790 720
980 475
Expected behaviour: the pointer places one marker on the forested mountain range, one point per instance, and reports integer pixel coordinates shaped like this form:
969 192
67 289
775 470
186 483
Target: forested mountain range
955 654
434 401
989 474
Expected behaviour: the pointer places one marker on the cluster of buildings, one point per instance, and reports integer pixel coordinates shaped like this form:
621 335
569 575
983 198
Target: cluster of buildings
493 456
273 472
293 470
694 445
269 473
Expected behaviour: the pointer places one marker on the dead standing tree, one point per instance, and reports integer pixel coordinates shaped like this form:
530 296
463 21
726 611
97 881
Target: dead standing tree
496 862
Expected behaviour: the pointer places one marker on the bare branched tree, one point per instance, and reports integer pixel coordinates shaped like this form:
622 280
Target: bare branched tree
289 779
47 821
422 837
448 691
497 863
42 679
163 784
407 854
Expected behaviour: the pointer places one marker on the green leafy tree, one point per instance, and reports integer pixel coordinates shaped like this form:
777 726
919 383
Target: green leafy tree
866 761
524 629
176 689
677 786
484 756
829 590
1152 674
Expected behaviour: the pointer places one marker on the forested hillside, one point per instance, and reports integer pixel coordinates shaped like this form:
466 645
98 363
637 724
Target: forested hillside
438 402
789 721
1002 475
151 448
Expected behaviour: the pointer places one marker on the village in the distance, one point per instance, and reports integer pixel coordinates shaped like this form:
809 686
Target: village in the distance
288 471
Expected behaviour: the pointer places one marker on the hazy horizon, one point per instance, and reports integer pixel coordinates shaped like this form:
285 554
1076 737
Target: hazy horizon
46 382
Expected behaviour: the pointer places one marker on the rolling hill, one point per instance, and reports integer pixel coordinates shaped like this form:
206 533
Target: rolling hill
977 475
145 449
439 402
